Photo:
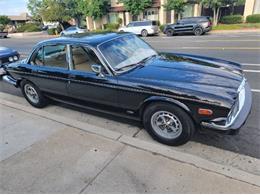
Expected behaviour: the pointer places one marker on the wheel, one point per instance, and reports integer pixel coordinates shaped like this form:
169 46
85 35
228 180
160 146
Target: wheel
144 33
121 31
33 94
169 32
198 31
168 124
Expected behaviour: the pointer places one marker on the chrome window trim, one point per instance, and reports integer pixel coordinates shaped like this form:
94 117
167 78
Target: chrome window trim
113 70
37 47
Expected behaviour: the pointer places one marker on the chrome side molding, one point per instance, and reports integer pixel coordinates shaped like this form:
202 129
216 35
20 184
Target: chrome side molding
10 80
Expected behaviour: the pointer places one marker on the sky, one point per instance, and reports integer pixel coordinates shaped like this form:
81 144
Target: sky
13 7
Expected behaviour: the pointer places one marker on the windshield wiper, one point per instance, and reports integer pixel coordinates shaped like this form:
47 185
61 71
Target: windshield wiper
136 64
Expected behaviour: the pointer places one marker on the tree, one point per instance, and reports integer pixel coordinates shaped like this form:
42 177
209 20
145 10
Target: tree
233 3
176 5
34 7
55 11
4 20
135 7
93 8
215 5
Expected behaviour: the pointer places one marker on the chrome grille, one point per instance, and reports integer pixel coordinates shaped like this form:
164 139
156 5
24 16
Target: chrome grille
238 104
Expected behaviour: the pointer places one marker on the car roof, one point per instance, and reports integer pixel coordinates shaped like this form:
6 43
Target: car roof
92 39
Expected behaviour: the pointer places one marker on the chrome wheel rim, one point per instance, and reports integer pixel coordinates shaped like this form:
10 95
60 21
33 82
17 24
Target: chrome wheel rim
166 124
31 93
198 31
144 33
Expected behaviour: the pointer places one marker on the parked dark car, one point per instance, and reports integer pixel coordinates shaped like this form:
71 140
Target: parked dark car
8 55
172 94
3 34
196 25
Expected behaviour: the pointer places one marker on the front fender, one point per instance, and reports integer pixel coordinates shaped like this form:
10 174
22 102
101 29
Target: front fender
154 99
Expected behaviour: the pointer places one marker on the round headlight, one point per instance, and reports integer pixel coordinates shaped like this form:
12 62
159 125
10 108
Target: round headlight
10 59
15 58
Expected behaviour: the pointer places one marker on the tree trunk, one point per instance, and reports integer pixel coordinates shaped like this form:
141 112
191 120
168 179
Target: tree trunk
217 15
61 25
179 16
214 16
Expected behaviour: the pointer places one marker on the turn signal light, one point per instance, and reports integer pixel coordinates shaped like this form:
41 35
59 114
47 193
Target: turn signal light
205 112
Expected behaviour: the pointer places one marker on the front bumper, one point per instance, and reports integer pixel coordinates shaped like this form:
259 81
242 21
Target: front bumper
239 118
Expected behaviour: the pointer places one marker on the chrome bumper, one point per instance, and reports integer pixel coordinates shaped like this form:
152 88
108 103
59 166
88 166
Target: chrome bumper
238 113
10 80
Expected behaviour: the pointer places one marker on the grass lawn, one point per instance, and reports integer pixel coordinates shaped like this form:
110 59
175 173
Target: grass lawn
237 26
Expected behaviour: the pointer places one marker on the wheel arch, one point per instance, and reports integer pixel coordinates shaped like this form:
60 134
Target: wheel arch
157 99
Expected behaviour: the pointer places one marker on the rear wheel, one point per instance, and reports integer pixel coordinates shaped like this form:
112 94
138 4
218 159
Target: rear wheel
33 94
169 32
144 33
198 31
168 124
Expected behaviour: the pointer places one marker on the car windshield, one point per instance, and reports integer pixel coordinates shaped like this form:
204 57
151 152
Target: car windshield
126 51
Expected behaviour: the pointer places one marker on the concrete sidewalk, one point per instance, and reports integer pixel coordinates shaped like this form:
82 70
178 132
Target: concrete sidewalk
45 154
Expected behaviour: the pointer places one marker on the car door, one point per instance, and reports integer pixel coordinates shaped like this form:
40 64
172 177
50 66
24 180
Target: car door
178 26
84 84
50 68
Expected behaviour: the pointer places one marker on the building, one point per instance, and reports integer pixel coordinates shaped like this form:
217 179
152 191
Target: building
19 19
251 7
157 12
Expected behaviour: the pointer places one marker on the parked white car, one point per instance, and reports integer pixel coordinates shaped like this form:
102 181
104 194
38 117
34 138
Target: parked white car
73 30
143 28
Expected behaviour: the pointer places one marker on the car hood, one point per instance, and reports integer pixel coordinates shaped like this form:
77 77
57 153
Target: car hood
4 51
203 78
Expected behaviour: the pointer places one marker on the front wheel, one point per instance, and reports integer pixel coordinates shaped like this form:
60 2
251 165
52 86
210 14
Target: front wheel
168 124
198 31
33 94
144 33
169 32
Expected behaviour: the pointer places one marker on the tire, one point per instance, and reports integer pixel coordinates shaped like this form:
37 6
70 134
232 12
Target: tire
33 94
169 32
144 33
198 31
182 124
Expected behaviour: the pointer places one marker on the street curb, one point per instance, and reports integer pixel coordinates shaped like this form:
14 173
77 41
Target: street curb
182 157
193 160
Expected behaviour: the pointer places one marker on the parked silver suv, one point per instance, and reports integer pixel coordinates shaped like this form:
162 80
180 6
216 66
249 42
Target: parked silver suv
73 30
143 28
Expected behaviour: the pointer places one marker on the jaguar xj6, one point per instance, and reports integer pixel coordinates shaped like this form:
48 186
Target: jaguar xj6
172 94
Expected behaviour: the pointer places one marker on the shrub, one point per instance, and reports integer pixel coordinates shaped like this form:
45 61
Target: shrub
233 19
120 21
162 27
29 27
111 26
255 18
52 31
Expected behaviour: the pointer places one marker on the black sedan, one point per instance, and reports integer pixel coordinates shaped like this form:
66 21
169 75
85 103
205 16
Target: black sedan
172 94
8 55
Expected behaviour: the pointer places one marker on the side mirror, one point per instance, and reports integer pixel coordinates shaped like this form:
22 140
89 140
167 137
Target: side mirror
97 69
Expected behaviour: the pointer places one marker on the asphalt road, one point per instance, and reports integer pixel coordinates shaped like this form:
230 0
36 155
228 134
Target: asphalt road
240 47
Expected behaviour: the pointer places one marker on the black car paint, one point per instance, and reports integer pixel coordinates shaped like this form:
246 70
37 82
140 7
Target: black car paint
188 81
188 25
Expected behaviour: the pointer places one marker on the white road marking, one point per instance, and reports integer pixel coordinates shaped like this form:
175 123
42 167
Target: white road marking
254 71
248 64
255 90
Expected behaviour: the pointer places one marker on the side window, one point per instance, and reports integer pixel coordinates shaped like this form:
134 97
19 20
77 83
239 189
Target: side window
83 58
37 58
130 25
55 55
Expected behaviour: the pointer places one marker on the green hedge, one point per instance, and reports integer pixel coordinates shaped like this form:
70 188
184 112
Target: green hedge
162 27
30 27
255 18
111 26
233 19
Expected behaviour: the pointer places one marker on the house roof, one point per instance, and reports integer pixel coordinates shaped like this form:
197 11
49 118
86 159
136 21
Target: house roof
21 17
